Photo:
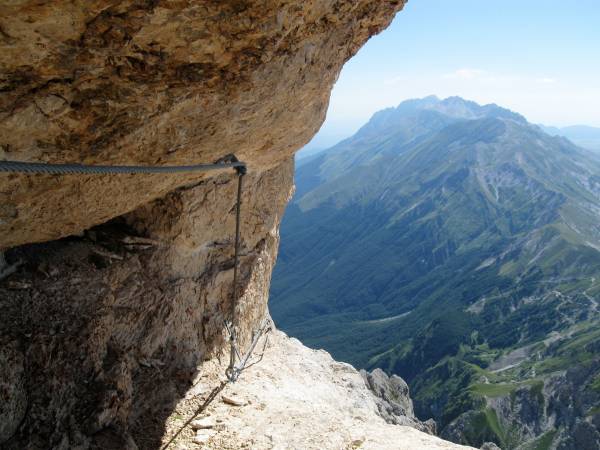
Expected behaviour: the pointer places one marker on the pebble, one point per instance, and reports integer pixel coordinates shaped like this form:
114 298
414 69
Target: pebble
205 422
233 400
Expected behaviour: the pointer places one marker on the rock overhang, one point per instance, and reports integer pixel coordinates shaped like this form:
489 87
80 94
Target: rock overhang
165 83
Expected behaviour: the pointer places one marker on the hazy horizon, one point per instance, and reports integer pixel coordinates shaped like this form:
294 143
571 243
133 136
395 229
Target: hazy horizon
538 63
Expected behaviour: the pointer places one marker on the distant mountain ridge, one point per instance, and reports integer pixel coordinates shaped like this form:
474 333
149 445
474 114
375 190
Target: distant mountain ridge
407 123
440 237
582 135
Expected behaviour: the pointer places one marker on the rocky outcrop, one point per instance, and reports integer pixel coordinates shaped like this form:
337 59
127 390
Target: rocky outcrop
393 400
103 331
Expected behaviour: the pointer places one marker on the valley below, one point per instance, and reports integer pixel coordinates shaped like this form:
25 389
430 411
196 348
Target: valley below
455 245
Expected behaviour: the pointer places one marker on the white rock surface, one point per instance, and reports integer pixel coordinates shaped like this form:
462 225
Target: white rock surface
203 436
300 398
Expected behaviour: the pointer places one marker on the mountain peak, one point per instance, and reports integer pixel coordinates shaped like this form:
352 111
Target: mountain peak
460 108
418 114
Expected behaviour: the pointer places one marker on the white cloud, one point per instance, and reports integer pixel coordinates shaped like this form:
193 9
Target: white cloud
465 74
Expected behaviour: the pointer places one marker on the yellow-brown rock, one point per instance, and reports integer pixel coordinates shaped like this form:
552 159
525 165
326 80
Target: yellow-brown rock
159 82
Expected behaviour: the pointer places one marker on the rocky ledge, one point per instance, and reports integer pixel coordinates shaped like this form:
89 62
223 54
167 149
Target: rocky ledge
294 397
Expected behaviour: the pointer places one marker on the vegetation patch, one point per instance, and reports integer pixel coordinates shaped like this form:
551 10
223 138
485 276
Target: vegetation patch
493 390
544 442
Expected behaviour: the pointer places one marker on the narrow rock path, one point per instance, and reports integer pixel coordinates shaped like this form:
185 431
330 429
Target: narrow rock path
295 398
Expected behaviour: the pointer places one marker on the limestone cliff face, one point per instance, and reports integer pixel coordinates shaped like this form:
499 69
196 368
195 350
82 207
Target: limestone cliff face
102 332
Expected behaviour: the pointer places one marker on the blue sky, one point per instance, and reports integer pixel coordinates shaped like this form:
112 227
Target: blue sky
540 58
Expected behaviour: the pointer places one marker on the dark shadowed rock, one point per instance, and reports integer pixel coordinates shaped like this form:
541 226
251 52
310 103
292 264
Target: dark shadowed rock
13 398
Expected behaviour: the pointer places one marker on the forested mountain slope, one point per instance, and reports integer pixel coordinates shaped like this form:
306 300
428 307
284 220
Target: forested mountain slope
458 246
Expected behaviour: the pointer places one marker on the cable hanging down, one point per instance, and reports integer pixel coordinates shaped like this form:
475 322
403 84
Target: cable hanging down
234 370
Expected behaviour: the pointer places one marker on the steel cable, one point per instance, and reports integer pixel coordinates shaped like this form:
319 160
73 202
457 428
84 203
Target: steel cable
62 169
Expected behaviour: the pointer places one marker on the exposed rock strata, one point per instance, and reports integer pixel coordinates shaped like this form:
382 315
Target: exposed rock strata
490 446
551 408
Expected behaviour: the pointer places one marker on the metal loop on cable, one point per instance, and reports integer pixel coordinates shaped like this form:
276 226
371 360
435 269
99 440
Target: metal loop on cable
233 372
